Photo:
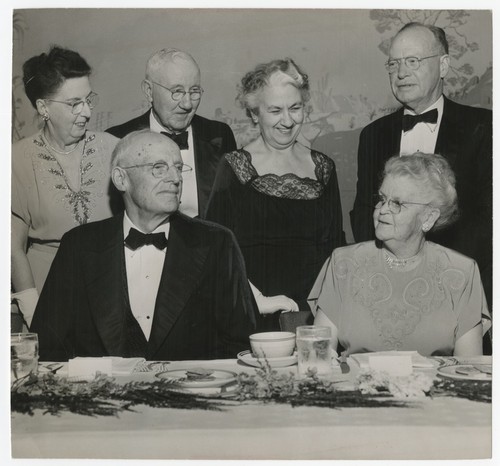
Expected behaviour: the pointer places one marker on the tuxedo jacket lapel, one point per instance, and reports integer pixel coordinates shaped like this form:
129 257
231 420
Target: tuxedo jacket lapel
106 282
448 142
206 158
181 275
394 141
136 124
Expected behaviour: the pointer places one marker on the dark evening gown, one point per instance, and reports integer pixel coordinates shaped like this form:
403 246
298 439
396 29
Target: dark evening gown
286 226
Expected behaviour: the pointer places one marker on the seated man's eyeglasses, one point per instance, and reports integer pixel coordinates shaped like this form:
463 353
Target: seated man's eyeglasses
160 169
77 105
178 93
412 63
394 206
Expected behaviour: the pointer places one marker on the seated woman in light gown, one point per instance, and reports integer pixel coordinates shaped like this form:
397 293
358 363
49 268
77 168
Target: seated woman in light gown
402 292
279 197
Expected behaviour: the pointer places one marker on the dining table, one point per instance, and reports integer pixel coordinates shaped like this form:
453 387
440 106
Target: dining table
429 427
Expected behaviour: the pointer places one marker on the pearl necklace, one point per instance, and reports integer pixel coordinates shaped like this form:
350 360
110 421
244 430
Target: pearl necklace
395 263
57 151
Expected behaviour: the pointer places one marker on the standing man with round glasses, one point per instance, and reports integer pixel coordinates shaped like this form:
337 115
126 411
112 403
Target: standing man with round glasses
429 122
173 88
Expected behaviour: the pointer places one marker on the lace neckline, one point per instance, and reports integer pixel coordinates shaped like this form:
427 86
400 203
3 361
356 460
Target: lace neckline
288 185
248 155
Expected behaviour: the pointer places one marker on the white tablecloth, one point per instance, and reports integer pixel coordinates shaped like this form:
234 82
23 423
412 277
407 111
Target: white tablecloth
440 428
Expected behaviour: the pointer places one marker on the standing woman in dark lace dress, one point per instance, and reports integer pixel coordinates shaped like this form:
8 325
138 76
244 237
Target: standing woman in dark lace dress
280 198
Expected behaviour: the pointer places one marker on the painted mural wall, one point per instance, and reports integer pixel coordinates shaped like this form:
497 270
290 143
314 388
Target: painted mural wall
342 51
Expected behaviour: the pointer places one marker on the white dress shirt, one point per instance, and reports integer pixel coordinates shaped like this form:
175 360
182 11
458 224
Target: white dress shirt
189 198
144 267
423 136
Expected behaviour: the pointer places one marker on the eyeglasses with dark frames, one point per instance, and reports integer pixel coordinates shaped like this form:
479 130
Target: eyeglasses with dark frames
77 105
412 63
394 206
178 94
160 169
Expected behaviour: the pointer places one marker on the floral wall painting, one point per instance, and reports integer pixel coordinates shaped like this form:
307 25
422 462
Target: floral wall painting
342 51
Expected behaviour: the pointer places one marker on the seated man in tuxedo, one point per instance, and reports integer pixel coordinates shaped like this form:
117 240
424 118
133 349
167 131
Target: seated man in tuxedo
173 88
117 288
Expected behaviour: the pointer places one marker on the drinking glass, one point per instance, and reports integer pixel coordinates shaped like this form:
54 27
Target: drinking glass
314 348
23 355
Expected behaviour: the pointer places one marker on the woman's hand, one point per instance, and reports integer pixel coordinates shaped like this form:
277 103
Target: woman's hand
272 304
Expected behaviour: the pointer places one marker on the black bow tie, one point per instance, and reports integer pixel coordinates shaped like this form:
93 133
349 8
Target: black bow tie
409 121
180 139
136 239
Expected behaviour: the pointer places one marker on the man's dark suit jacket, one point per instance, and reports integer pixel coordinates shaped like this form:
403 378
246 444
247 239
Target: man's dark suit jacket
204 307
465 140
211 139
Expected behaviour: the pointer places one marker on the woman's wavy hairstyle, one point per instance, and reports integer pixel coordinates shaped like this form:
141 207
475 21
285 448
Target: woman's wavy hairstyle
43 74
254 81
432 172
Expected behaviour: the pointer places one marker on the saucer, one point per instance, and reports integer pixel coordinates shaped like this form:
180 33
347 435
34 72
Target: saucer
248 358
467 372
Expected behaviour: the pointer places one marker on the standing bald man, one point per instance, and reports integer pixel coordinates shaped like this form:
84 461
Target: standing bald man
150 282
429 122
173 88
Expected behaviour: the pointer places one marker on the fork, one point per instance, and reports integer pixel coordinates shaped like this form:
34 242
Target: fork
56 369
52 369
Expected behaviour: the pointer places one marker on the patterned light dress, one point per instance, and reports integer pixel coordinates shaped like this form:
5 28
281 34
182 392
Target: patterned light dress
426 305
47 199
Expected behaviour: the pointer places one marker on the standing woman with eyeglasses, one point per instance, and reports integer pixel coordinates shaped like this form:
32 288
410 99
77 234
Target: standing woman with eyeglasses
60 175
402 292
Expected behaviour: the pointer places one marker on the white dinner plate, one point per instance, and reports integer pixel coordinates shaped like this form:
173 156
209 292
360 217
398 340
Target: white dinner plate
217 378
467 371
248 357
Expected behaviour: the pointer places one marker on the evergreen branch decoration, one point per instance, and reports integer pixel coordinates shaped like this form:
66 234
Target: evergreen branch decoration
104 397
100 397
469 389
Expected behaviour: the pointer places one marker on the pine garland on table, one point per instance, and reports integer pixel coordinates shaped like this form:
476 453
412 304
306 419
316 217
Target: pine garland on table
104 397
100 397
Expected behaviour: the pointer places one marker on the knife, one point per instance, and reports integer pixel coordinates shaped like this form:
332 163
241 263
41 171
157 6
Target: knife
344 367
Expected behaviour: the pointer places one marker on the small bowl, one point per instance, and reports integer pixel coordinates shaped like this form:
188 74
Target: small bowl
272 344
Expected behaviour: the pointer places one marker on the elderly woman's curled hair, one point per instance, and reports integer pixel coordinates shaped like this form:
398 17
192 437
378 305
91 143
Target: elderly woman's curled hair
43 74
434 173
254 81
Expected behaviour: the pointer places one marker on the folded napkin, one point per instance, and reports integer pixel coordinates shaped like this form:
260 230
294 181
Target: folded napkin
417 360
110 365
